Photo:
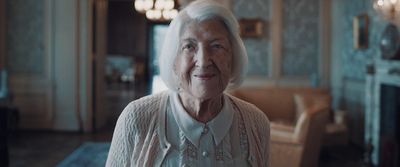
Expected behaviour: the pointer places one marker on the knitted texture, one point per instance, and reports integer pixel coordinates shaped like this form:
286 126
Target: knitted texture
136 140
135 135
258 132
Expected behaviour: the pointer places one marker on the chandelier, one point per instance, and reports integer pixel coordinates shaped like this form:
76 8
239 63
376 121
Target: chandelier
388 9
157 10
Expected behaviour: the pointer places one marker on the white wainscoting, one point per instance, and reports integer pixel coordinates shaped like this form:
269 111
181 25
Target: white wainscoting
61 97
33 93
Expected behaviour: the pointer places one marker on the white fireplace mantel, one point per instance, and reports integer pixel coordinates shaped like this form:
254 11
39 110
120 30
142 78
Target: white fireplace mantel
382 72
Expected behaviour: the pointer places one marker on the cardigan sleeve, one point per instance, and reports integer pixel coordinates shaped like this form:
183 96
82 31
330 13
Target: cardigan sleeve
122 144
258 127
130 142
267 147
262 131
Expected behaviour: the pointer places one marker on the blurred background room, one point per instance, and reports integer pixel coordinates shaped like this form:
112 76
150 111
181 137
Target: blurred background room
69 67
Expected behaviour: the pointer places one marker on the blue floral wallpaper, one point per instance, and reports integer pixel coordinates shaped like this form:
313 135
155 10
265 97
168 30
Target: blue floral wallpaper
26 44
349 64
300 37
258 50
353 60
25 37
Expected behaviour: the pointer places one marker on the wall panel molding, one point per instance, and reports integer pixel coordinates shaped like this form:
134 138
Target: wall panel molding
99 55
85 63
32 91
25 37
34 107
65 65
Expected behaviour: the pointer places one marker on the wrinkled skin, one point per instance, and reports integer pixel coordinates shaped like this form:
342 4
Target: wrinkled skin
203 68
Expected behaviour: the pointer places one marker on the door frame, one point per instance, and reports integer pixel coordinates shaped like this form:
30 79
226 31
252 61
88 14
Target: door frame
100 13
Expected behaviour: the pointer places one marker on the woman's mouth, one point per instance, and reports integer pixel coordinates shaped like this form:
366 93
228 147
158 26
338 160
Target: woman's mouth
204 76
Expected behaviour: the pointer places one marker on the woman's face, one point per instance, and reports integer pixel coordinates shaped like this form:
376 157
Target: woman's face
203 63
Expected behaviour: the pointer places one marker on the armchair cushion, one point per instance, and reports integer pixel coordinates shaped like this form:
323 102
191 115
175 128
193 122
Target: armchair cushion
276 102
303 144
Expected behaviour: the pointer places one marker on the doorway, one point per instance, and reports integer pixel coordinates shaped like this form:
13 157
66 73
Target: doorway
121 61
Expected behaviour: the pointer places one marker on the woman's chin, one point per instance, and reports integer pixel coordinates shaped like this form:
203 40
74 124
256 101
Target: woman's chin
206 93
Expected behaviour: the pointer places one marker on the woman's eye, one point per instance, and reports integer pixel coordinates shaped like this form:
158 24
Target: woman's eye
217 46
188 47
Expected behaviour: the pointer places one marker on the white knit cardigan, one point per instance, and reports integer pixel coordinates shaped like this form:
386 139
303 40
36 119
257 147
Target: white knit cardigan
139 137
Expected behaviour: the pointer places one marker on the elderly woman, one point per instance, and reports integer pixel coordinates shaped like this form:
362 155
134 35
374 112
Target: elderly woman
195 123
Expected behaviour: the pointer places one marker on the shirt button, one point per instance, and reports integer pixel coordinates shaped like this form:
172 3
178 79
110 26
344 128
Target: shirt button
205 130
251 158
205 154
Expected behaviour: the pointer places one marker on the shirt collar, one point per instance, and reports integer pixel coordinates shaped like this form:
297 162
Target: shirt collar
218 126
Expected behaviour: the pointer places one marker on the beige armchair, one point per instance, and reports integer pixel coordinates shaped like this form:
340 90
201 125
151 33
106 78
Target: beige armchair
299 120
298 146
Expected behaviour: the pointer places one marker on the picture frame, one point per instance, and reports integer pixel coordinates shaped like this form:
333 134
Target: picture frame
360 31
251 28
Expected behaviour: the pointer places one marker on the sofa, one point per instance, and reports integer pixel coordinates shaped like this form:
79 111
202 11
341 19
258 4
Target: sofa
301 120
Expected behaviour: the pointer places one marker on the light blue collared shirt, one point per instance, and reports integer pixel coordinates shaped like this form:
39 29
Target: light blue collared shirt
193 143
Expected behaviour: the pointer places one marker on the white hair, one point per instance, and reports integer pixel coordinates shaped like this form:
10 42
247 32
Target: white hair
202 10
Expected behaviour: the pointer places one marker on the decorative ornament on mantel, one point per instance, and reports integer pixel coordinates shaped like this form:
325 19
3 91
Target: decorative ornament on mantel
390 42
389 10
157 10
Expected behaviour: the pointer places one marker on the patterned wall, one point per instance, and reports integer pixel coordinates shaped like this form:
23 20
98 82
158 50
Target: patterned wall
348 82
353 60
258 50
300 37
26 51
25 37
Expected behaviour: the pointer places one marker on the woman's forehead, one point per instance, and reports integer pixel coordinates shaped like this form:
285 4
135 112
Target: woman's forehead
208 29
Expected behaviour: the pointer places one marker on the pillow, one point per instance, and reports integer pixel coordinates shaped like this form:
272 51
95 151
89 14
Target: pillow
311 103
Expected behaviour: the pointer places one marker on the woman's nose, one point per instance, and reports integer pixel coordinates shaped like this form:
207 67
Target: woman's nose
203 58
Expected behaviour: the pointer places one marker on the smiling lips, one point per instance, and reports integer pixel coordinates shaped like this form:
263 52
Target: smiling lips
204 76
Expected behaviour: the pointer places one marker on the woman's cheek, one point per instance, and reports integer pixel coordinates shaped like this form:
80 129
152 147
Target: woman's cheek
225 69
183 72
225 66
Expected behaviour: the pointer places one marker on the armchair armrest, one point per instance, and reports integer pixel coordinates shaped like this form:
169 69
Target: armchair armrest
284 137
285 141
282 127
